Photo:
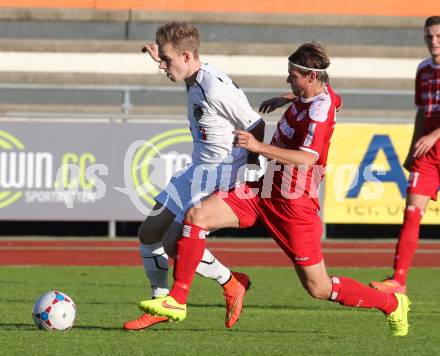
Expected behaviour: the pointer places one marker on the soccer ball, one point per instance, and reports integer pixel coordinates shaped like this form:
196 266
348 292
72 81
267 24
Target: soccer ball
54 311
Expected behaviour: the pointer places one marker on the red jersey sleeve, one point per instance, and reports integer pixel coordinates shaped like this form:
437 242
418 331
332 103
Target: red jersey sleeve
318 133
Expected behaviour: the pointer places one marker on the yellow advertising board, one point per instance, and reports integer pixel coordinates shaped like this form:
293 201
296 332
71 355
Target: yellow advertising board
365 181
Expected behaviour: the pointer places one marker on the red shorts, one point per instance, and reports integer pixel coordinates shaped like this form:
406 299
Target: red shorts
425 174
297 229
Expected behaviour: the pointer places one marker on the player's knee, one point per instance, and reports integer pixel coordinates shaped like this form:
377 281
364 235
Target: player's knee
149 234
195 216
169 241
141 233
169 247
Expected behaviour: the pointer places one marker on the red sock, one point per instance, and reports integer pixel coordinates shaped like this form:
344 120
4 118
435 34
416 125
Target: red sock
190 248
407 245
351 293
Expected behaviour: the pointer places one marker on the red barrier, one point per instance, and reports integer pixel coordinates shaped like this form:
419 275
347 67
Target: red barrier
231 252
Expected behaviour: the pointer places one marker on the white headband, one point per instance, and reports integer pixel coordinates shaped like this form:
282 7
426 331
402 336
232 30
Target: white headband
307 68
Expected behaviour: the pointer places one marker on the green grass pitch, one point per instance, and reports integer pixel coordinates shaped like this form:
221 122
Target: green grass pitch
279 318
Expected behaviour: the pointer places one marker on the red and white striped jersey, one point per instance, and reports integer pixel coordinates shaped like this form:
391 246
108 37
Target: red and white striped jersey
307 125
427 93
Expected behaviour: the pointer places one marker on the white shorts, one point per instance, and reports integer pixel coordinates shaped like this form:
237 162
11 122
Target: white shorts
190 185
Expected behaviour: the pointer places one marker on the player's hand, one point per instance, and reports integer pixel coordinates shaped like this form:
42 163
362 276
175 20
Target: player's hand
423 145
270 105
153 50
246 140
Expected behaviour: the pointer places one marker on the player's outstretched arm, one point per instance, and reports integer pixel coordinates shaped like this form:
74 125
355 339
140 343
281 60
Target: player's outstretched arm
425 143
281 155
270 105
153 50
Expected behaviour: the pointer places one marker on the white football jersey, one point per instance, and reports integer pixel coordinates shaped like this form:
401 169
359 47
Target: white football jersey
216 108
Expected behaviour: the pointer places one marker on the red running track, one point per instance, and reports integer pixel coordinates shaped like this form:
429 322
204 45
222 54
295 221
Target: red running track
236 252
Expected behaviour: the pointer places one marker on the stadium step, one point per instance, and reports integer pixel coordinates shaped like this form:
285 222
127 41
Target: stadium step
81 31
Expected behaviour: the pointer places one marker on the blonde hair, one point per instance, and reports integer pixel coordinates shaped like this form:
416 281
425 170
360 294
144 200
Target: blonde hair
182 35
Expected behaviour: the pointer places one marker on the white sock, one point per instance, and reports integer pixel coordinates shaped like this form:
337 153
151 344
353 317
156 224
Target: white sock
211 267
156 268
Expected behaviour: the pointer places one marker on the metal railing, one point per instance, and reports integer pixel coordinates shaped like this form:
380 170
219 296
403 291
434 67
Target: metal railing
127 91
